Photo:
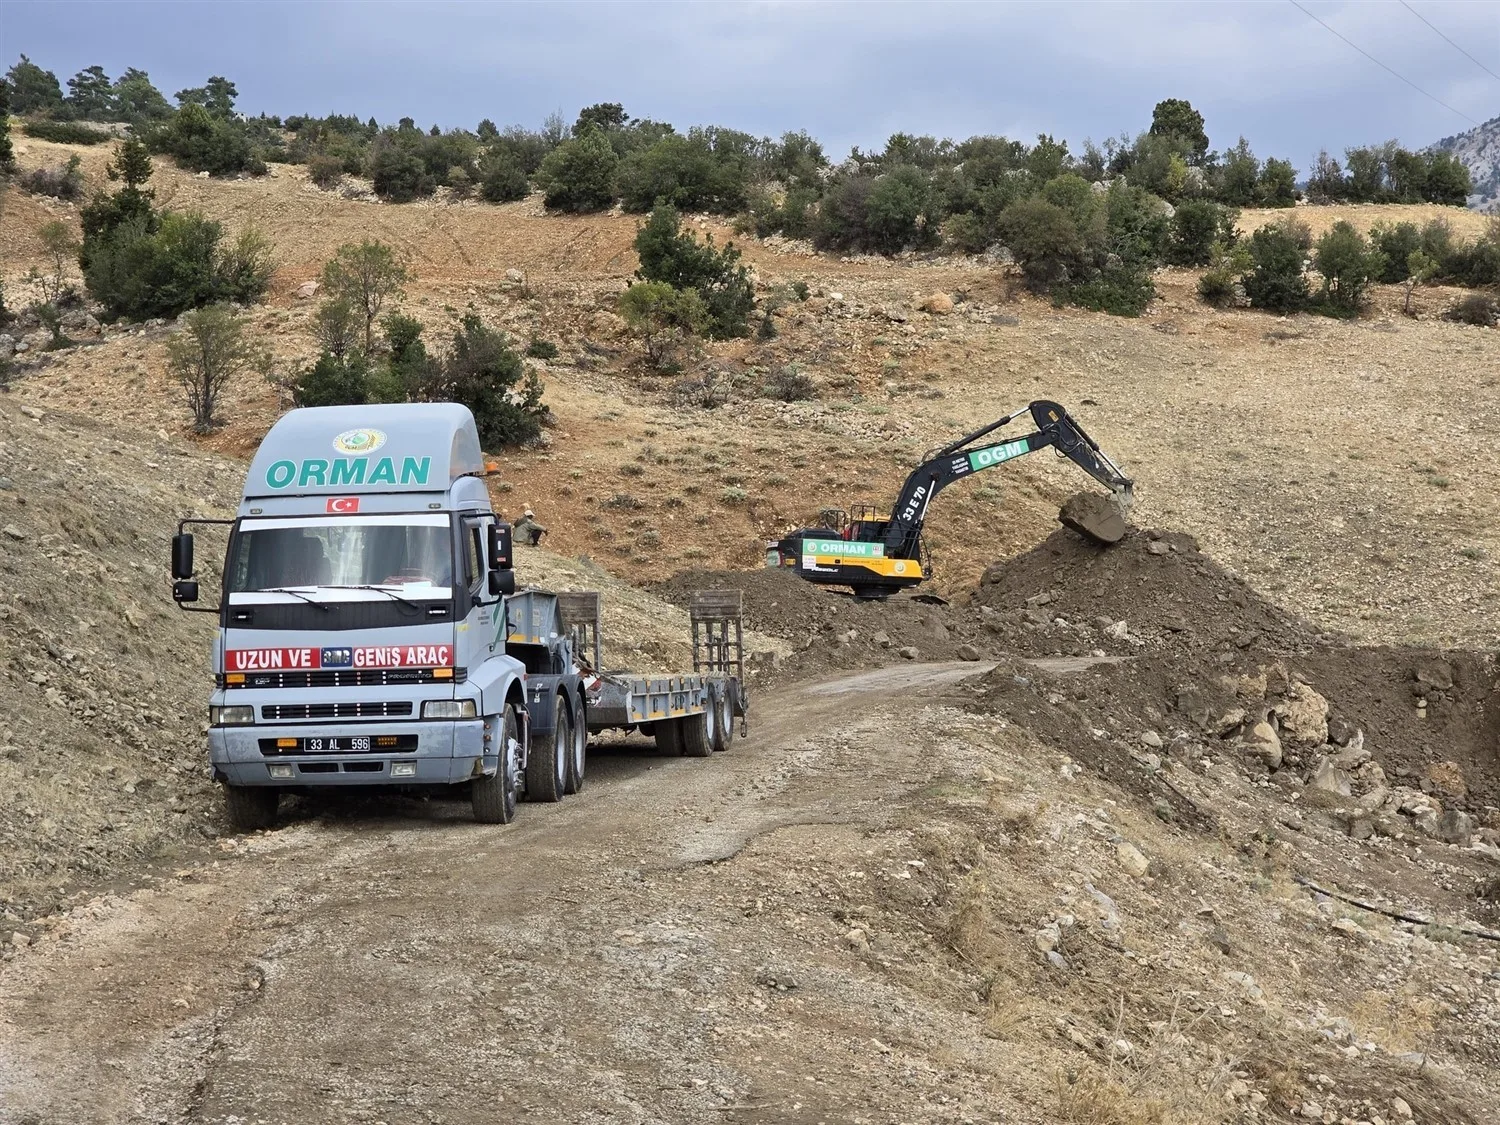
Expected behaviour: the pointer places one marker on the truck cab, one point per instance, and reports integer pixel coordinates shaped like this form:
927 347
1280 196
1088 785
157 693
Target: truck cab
362 626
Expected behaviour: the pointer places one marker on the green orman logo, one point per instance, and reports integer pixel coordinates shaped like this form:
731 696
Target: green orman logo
357 442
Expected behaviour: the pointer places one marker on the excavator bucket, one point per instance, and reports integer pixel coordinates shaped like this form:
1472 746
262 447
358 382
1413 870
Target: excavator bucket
1096 517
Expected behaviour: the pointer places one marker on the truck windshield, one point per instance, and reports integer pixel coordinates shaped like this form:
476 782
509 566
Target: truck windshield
412 552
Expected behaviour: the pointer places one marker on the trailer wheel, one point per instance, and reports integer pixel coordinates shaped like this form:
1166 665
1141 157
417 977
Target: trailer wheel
251 806
547 767
494 797
579 758
668 736
698 732
724 716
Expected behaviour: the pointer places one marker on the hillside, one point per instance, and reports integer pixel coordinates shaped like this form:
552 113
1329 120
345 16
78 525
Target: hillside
1479 149
1200 829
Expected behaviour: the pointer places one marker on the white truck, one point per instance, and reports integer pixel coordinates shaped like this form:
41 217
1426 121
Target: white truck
370 632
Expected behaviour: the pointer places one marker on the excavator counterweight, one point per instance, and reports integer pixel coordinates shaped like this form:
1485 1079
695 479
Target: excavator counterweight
876 557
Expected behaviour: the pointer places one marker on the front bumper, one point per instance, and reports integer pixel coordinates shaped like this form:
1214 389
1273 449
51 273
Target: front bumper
447 752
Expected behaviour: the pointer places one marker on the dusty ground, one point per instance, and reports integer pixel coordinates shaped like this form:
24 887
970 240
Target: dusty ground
1056 883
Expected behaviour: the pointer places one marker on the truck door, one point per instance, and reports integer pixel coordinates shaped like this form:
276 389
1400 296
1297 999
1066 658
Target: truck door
485 633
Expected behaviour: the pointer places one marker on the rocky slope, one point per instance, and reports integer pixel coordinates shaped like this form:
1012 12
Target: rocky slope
1479 149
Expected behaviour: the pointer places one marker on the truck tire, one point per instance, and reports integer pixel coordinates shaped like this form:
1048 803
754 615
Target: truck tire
723 716
668 736
251 806
698 732
494 797
579 758
547 765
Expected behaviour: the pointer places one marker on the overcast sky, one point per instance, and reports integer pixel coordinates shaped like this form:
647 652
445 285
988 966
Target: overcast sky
849 73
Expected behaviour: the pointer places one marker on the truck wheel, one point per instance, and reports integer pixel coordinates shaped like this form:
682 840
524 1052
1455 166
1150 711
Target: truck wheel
668 736
494 797
579 758
724 716
251 807
698 732
547 766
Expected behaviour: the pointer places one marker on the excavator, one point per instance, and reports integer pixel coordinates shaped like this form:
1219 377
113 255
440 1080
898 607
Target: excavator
876 556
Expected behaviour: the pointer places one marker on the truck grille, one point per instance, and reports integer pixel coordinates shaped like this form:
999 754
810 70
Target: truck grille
345 677
369 710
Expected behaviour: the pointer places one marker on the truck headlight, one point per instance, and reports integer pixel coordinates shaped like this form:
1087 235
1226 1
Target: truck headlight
231 716
449 709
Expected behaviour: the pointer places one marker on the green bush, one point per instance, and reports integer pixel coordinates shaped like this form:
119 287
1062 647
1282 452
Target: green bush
579 175
1197 225
202 142
1120 288
1278 280
1227 263
664 318
1347 264
675 257
501 178
1474 265
397 172
1044 241
1397 242
789 384
160 266
882 214
325 171
484 373
64 132
1277 186
333 381
7 151
684 172
542 349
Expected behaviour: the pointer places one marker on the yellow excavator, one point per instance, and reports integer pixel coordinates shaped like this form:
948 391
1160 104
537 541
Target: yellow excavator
877 556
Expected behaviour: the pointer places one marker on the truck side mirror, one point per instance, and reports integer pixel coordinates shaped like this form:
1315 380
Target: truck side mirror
502 582
500 546
184 590
182 558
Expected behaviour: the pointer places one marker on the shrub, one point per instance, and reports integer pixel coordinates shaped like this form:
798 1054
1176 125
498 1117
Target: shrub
1219 285
61 181
160 266
800 290
484 373
338 326
202 142
64 132
1475 308
1397 243
1278 281
397 173
325 171
789 384
1347 264
665 318
7 152
1197 226
896 210
1120 288
542 349
684 172
1448 180
579 175
671 255
333 381
1044 240
502 179
210 350
1476 264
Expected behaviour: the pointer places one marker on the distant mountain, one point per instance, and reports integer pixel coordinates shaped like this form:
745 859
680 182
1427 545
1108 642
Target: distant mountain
1479 149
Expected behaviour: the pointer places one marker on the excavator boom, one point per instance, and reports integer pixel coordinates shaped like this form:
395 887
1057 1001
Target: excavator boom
878 557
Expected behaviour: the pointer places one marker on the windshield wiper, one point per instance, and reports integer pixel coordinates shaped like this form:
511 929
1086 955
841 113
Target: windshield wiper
407 602
296 594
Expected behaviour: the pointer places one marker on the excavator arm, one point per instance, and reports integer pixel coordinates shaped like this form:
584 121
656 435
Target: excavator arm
1055 428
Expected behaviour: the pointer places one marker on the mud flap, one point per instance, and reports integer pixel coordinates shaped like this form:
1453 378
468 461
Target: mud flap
1095 517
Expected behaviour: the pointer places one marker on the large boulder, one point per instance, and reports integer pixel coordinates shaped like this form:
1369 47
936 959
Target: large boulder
939 304
1303 715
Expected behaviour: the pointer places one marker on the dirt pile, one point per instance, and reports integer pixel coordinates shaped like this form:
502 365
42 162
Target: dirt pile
103 681
1151 651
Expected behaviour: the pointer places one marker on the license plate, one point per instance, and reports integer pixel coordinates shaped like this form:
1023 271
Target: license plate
353 744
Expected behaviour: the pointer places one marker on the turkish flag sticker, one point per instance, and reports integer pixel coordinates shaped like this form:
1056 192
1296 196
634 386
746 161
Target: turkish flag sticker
344 505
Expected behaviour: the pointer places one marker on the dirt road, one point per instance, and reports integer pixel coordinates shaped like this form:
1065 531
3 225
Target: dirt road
654 949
